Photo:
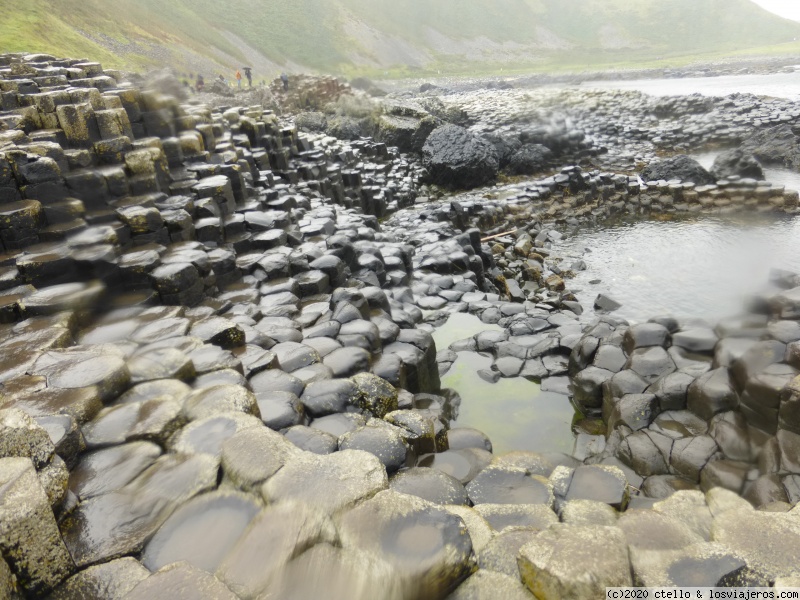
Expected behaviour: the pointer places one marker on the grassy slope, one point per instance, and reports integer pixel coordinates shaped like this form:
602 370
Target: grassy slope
311 32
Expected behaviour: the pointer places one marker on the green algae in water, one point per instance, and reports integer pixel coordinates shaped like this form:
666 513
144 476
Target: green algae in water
515 413
460 326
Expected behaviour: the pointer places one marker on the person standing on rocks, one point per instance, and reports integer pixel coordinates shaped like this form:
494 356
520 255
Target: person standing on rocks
248 72
285 80
238 78
200 83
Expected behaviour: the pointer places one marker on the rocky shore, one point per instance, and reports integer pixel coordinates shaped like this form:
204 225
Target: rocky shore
218 376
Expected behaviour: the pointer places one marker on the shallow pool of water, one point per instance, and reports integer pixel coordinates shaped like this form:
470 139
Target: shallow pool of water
699 268
515 413
460 326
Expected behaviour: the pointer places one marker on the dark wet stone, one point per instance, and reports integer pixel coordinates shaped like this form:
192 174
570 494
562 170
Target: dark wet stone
610 357
381 440
253 455
312 440
152 420
509 485
120 522
345 362
671 391
466 437
644 335
396 527
201 532
429 484
680 167
727 474
219 399
418 431
664 486
650 363
330 483
640 452
634 411
181 581
275 380
463 464
690 455
329 396
218 331
712 393
110 469
272 539
293 356
340 423
587 387
160 363
599 483
620 384
79 367
696 339
206 436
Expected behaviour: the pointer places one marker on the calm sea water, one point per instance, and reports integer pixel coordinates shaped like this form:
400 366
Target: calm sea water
779 85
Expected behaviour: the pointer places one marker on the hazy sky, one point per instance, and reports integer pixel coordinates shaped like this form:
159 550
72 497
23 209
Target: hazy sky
785 8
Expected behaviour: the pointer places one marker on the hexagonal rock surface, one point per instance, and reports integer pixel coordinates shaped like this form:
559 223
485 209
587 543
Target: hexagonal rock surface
503 516
78 367
253 455
111 580
699 565
768 542
276 535
202 531
119 523
488 585
180 581
382 440
29 537
429 547
498 484
219 399
329 483
570 561
602 483
333 573
649 530
429 484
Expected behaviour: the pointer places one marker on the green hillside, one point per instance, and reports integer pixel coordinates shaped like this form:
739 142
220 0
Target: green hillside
375 36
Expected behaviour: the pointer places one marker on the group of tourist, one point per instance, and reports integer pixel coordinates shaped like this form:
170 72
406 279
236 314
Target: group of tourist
248 73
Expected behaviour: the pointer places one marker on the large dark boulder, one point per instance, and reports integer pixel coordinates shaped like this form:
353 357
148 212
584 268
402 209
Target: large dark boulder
774 146
529 159
680 167
737 163
458 158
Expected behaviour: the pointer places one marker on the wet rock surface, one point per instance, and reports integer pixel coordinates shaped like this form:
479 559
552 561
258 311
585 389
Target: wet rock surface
219 373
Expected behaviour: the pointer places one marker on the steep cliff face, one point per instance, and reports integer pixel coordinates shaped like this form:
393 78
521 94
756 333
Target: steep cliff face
351 35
